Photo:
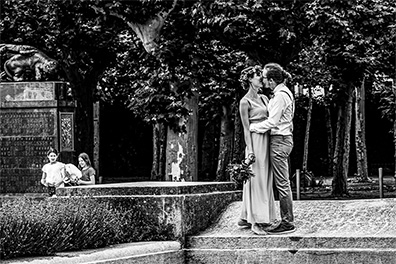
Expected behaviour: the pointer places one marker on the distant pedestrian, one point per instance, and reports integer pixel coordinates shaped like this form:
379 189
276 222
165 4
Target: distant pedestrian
52 172
87 171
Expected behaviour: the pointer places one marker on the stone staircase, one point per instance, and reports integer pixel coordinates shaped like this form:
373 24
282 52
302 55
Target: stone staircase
354 231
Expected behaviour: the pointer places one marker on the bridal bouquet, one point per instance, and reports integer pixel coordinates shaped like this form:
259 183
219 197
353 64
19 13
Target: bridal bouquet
240 172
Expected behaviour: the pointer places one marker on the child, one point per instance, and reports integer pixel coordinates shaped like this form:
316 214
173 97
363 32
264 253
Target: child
52 172
88 173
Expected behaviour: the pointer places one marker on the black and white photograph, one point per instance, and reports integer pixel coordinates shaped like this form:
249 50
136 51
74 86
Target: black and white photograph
198 132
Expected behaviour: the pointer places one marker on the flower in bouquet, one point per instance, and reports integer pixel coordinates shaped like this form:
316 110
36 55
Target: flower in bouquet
240 172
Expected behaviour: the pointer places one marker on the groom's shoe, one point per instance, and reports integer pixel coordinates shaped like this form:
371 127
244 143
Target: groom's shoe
244 223
269 226
283 228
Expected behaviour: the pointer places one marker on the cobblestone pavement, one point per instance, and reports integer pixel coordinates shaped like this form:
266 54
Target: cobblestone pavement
324 218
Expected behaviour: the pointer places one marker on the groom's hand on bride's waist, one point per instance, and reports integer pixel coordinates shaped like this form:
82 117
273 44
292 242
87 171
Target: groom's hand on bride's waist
253 128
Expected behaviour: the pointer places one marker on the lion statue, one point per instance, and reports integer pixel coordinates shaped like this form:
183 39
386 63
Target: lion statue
25 63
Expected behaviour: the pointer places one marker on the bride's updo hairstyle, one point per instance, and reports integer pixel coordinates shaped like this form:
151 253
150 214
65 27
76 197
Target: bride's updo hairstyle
248 73
277 73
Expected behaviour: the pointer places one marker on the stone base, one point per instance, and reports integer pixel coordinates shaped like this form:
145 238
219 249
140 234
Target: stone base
188 207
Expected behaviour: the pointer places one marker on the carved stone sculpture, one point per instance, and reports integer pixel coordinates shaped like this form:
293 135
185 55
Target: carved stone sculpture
20 60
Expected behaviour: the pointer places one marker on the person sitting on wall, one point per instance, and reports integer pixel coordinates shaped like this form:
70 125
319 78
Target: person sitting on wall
87 171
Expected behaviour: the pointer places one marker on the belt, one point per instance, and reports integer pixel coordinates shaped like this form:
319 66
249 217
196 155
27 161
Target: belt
283 136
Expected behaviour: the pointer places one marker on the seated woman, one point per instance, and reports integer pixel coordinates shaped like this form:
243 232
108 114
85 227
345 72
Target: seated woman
87 171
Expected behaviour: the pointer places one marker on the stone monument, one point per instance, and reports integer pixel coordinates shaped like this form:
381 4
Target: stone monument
34 116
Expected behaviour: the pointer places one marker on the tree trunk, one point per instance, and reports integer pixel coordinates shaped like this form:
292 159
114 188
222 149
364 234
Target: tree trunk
360 135
182 148
225 148
159 153
342 148
96 142
83 85
394 124
306 139
209 149
347 137
238 150
82 90
338 183
330 146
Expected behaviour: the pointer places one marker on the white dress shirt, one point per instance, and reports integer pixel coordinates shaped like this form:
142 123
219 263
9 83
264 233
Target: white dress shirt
281 112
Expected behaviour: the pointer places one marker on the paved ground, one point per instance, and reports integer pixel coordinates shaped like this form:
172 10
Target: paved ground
324 218
357 190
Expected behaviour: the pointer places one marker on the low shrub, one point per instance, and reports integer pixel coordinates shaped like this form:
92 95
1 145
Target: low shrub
31 227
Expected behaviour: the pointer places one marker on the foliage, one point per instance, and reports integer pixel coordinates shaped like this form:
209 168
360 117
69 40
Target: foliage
203 47
351 38
34 227
195 57
384 92
81 39
265 30
155 86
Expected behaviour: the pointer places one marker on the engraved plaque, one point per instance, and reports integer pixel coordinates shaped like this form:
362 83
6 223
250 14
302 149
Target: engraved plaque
27 91
27 123
24 152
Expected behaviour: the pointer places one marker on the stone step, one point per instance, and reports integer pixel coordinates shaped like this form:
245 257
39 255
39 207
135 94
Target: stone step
347 231
290 256
290 242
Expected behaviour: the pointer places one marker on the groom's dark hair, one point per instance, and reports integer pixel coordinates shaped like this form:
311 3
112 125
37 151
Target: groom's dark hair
277 73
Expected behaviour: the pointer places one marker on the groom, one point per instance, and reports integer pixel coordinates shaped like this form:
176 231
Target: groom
280 123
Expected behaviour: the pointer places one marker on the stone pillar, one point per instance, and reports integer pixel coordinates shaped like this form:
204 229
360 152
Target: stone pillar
34 116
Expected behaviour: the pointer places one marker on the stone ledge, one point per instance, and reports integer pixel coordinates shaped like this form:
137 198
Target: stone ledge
167 252
147 188
291 242
284 255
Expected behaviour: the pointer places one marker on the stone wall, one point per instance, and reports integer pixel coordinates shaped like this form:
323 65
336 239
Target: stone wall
186 207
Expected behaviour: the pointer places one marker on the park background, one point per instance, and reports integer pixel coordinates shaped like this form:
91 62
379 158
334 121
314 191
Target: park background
341 55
